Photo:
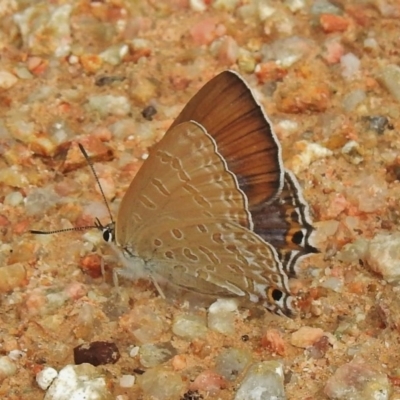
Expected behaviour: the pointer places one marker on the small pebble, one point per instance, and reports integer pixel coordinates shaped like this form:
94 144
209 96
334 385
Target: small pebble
108 80
324 7
333 23
286 52
143 91
7 80
333 283
231 362
209 382
378 123
225 5
352 152
319 348
197 5
358 380
123 128
45 377
383 256
161 383
145 325
221 316
13 177
109 104
79 382
263 381
114 55
272 339
307 153
152 355
353 252
96 353
45 29
352 99
246 61
295 5
7 368
306 336
389 76
12 276
91 63
350 64
134 351
189 326
16 354
127 381
39 200
149 112
204 32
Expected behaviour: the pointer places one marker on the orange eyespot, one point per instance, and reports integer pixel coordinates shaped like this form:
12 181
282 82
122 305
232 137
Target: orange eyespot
274 294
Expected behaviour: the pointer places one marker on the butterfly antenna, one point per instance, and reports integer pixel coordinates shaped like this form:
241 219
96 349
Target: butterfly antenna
89 161
97 225
77 228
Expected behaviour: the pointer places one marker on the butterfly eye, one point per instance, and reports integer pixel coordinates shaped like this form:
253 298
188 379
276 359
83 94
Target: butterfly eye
108 234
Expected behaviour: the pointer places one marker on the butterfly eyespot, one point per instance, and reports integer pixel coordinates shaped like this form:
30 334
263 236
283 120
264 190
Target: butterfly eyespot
108 235
298 237
276 294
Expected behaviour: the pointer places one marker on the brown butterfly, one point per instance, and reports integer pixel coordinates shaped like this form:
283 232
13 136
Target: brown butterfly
212 209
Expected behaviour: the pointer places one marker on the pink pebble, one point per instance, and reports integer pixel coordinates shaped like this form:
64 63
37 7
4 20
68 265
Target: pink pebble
338 204
209 381
35 301
334 51
204 32
179 362
102 133
228 51
76 290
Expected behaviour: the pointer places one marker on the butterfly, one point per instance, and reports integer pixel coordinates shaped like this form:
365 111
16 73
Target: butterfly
212 209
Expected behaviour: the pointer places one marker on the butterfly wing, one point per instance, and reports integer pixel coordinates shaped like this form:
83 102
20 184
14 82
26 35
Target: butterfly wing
220 259
286 224
184 178
227 109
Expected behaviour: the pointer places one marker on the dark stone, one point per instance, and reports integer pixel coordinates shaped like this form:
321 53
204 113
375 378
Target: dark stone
378 123
107 80
96 353
192 395
149 112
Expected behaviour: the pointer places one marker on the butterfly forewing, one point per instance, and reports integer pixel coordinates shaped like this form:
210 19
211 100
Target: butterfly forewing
228 111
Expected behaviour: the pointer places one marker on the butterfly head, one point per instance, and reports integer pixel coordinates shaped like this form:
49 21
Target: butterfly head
108 231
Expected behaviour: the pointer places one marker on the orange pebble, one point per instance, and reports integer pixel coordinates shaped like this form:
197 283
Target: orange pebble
91 264
179 362
333 23
273 341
